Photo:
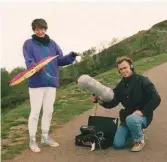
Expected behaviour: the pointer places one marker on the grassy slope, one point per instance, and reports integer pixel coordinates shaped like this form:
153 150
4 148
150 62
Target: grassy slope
71 101
145 43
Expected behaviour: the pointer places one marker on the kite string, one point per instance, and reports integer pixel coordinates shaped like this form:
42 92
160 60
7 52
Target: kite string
49 74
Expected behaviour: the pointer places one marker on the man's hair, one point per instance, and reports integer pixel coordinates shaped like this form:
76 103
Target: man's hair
39 23
119 60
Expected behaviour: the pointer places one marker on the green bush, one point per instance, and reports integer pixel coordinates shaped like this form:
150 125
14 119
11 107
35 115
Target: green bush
12 101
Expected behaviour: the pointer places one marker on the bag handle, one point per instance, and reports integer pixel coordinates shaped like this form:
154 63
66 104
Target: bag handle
95 109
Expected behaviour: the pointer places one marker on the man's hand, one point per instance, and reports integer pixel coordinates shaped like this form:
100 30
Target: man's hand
138 112
93 99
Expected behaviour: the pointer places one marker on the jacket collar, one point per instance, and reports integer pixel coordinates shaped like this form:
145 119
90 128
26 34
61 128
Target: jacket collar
41 40
129 79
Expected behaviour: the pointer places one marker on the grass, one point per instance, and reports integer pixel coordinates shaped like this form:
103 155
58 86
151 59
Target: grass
71 101
11 151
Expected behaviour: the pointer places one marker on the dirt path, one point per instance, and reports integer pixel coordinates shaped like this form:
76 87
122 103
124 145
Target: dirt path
156 141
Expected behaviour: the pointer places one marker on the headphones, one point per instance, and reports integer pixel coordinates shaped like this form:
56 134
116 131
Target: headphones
132 67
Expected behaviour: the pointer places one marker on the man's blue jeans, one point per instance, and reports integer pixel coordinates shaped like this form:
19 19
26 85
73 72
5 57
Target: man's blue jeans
132 129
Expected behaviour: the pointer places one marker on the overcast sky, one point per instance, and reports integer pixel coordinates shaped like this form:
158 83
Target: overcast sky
74 26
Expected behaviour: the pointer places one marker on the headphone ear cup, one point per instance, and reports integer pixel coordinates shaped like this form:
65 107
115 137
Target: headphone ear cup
132 67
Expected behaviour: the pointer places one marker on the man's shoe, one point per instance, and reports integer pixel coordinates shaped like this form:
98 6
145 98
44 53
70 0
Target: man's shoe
138 146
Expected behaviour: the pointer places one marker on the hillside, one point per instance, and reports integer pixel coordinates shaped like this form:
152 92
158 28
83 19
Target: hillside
71 101
160 26
143 44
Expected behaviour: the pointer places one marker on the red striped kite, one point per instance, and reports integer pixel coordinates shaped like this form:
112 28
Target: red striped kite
31 71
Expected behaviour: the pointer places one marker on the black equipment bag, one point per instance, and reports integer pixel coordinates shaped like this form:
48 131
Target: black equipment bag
100 130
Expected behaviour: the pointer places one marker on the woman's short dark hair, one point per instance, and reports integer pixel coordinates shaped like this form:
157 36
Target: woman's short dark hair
39 23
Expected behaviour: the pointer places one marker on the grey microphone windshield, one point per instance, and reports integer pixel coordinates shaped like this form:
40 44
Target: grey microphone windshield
99 90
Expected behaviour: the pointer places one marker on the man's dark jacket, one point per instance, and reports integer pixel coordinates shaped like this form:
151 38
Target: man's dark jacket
135 93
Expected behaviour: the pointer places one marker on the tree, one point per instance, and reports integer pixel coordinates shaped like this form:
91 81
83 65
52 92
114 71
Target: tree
5 78
16 71
89 52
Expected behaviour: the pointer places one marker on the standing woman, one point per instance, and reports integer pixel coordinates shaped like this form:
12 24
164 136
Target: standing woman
42 85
